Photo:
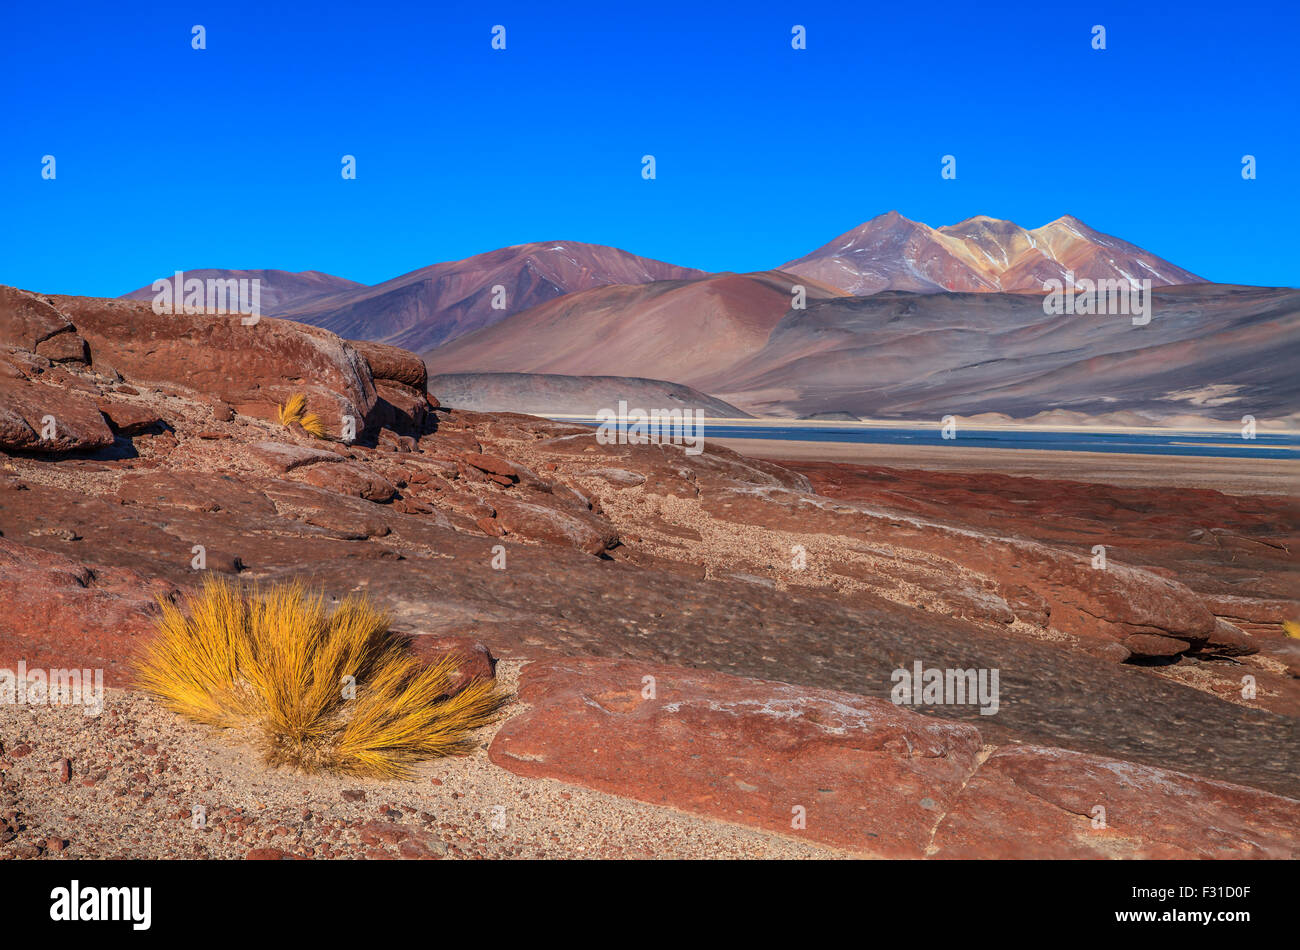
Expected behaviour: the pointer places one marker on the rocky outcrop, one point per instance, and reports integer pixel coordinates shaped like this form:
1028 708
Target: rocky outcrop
37 415
552 525
401 380
254 368
858 773
393 364
27 320
59 612
1034 802
865 775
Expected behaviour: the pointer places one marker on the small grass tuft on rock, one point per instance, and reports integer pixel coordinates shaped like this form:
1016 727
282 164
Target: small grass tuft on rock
295 411
327 691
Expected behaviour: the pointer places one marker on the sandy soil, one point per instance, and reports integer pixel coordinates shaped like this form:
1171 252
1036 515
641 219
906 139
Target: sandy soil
137 773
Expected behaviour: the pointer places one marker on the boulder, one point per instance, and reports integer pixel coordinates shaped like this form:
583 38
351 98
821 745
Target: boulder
66 347
349 478
393 363
399 408
27 319
474 661
535 522
1230 640
29 409
129 418
511 471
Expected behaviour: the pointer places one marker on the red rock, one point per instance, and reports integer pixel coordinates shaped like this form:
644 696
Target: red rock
401 409
26 319
1113 603
62 614
271 854
618 477
1254 609
393 363
196 491
65 347
374 832
535 522
128 418
1230 640
474 660
350 478
505 471
287 456
870 776
1034 802
27 405
490 464
256 368
1148 644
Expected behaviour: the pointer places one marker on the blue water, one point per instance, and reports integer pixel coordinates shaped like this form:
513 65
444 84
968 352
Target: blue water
1216 444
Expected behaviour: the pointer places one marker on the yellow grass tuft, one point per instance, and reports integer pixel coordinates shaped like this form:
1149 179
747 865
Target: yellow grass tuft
279 661
295 410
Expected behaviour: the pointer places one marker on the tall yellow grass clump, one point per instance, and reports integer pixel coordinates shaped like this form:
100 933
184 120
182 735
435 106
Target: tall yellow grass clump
327 691
295 410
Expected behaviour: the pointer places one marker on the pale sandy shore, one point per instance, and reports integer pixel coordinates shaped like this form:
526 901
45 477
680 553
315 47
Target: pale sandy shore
1238 476
1189 425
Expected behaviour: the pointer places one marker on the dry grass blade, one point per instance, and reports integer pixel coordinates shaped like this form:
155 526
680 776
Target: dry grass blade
312 424
293 410
327 690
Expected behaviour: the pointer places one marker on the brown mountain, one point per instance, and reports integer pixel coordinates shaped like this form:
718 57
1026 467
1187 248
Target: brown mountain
980 254
281 289
678 330
433 305
1213 349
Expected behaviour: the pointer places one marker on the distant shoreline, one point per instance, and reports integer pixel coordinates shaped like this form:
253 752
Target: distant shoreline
963 422
1261 477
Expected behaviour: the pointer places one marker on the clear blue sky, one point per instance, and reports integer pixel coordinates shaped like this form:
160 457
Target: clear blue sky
172 158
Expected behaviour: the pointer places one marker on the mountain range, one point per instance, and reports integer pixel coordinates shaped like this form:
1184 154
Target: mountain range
433 305
892 319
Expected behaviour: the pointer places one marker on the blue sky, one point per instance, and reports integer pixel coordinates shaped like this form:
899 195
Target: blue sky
170 158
